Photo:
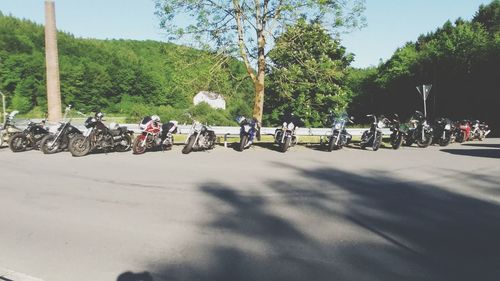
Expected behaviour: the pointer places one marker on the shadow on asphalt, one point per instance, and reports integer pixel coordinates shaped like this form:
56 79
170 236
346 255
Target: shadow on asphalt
419 231
487 153
492 145
130 276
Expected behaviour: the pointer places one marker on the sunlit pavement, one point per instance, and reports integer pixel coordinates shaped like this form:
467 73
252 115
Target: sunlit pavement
307 214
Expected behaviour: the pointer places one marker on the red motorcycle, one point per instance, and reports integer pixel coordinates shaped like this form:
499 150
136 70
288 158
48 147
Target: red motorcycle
464 133
154 135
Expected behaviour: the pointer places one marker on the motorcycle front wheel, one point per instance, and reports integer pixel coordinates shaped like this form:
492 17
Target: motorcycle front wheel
396 141
376 142
285 145
445 141
79 146
48 146
18 142
189 145
139 147
423 143
331 143
243 142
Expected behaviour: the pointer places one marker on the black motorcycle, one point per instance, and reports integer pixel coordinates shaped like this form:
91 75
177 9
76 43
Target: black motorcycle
29 138
249 128
442 131
200 137
100 137
419 131
59 141
339 137
398 131
373 136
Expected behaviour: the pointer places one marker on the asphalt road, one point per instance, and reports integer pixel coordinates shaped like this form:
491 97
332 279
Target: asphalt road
410 214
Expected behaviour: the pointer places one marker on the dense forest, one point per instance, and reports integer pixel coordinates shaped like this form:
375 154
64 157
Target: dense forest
122 77
309 74
462 62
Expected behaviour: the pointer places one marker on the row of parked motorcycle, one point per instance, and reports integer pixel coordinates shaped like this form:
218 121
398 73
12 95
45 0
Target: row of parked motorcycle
157 136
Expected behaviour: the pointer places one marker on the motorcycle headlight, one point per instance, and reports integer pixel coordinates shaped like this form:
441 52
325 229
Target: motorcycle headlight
380 124
447 127
247 128
284 124
290 126
198 126
337 126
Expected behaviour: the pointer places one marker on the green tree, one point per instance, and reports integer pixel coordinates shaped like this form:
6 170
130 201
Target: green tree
308 74
248 26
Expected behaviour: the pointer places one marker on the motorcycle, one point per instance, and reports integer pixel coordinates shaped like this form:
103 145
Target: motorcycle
463 134
479 130
249 127
443 132
99 137
29 138
8 128
59 141
200 137
419 132
373 136
154 136
339 137
399 131
285 136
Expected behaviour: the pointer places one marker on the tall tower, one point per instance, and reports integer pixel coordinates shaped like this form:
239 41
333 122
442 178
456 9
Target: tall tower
52 63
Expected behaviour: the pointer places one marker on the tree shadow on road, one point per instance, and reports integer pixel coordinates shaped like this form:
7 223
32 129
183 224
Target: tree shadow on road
329 224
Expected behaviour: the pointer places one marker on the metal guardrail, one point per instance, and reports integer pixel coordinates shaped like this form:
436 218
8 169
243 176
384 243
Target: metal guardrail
183 129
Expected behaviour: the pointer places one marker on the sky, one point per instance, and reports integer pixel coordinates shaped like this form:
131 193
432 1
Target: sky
390 23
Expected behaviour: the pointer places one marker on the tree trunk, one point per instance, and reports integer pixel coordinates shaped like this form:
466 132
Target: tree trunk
258 106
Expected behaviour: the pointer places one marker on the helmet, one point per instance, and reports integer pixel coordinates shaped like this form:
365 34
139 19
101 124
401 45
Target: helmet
240 119
99 115
155 118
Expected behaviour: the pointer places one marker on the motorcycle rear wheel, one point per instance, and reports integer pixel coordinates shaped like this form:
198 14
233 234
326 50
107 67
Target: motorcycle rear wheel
79 146
18 142
124 147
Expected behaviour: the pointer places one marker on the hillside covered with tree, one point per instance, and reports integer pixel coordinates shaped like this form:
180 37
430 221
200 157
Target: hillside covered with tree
462 62
125 77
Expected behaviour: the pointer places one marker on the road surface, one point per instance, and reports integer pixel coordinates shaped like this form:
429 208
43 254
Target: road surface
408 214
